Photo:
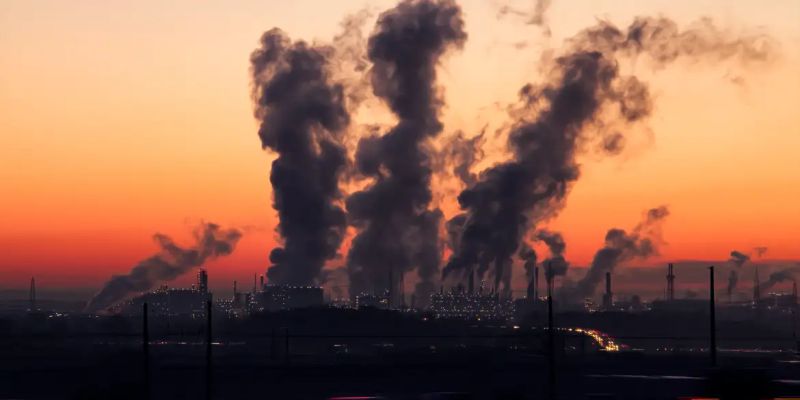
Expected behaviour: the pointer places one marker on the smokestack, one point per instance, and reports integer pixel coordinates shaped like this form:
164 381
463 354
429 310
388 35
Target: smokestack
261 281
532 288
608 297
32 295
670 283
202 281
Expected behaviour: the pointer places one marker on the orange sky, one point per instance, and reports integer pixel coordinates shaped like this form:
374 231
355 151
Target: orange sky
120 119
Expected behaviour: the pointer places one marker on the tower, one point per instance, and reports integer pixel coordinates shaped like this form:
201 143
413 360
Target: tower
608 297
532 288
32 295
535 282
670 283
202 281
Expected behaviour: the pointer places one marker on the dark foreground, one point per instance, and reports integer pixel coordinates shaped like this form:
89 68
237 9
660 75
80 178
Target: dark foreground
182 374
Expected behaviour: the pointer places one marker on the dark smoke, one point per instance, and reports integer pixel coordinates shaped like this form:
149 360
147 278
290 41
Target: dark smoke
169 263
462 154
583 94
783 275
737 259
303 118
621 246
663 42
397 229
556 264
528 256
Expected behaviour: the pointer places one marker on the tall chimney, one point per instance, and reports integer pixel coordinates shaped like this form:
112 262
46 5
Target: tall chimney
202 281
532 289
535 282
670 283
608 297
262 283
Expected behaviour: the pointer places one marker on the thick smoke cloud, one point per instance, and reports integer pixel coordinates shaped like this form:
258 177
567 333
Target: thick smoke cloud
621 246
303 117
397 229
584 99
556 264
170 262
777 277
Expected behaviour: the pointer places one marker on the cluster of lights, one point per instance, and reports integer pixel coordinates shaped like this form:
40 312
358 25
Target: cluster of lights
602 340
465 305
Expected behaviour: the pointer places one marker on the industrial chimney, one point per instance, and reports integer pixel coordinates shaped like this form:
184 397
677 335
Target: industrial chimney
670 283
608 297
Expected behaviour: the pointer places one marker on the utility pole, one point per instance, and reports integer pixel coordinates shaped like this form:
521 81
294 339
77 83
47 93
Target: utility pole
551 355
146 351
208 351
712 318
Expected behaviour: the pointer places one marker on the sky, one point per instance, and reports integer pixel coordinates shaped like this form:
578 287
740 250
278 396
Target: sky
123 119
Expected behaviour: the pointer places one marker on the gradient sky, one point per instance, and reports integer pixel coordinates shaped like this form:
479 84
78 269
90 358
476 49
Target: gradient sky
121 119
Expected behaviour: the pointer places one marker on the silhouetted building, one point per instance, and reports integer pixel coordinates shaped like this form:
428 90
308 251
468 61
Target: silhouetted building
460 304
284 297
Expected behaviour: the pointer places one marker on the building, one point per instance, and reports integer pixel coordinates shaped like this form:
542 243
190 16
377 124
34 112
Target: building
284 297
461 304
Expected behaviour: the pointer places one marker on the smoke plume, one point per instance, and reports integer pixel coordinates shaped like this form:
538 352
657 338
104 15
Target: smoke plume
621 246
556 264
170 262
737 259
397 229
760 251
303 117
777 277
584 99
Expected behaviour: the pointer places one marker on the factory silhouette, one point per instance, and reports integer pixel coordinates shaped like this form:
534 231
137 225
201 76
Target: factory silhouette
375 292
